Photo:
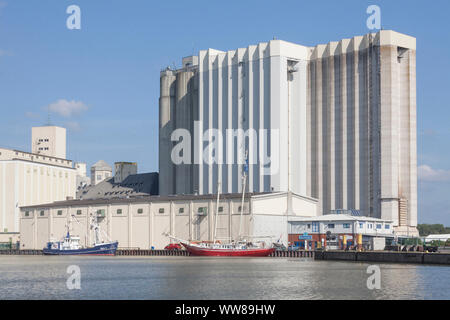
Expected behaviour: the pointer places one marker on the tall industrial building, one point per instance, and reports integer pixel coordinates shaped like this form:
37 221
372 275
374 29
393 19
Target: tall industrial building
336 122
34 178
49 141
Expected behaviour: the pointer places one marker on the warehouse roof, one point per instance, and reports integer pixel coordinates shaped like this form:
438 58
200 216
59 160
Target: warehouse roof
140 199
337 217
144 184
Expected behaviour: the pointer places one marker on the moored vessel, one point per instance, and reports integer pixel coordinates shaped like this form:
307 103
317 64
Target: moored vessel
240 249
70 245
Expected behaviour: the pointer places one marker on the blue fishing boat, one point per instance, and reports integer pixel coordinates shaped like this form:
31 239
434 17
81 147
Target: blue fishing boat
70 245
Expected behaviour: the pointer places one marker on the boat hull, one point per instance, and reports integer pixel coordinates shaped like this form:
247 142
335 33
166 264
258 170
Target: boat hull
256 252
104 249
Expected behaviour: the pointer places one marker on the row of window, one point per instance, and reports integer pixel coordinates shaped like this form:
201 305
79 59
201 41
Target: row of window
200 210
348 226
44 158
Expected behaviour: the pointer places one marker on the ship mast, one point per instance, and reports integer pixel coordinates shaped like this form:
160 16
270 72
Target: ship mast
94 225
217 212
244 180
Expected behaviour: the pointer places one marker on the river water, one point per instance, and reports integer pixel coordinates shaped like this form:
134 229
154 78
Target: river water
40 277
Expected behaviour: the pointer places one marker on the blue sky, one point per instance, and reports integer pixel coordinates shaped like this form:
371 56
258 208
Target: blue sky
111 68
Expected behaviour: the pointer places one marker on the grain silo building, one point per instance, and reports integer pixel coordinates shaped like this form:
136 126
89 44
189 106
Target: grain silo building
335 122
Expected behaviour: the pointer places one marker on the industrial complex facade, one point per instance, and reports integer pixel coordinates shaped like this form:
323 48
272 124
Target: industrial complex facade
334 122
323 139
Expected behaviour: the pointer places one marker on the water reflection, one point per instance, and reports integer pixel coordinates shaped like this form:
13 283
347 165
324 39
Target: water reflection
36 277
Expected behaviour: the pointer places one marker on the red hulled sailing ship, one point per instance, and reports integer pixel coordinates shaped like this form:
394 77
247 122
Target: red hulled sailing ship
241 248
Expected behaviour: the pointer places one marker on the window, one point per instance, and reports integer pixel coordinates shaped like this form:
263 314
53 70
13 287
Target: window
309 226
379 226
369 226
59 213
315 227
161 210
41 213
239 208
331 226
202 210
119 211
181 210
140 211
361 225
78 212
27 213
387 227
220 209
346 225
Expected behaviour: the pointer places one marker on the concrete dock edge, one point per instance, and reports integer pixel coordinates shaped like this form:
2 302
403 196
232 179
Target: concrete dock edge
385 256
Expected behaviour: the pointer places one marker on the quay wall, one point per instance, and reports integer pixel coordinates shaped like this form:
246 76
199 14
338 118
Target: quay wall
139 252
367 256
384 256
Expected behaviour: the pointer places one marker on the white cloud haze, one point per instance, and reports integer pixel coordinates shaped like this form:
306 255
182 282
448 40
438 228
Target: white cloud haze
73 125
67 108
426 173
32 115
5 53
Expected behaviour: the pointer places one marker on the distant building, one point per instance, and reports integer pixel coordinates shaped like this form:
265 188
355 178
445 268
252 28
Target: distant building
49 141
123 170
329 230
437 237
100 171
82 179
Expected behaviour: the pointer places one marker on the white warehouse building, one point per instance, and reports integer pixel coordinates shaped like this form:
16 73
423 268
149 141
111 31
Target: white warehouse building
143 222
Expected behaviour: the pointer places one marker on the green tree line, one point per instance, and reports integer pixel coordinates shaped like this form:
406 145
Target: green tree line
427 229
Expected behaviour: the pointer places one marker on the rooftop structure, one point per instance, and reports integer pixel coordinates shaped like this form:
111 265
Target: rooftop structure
100 171
123 170
82 179
49 141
